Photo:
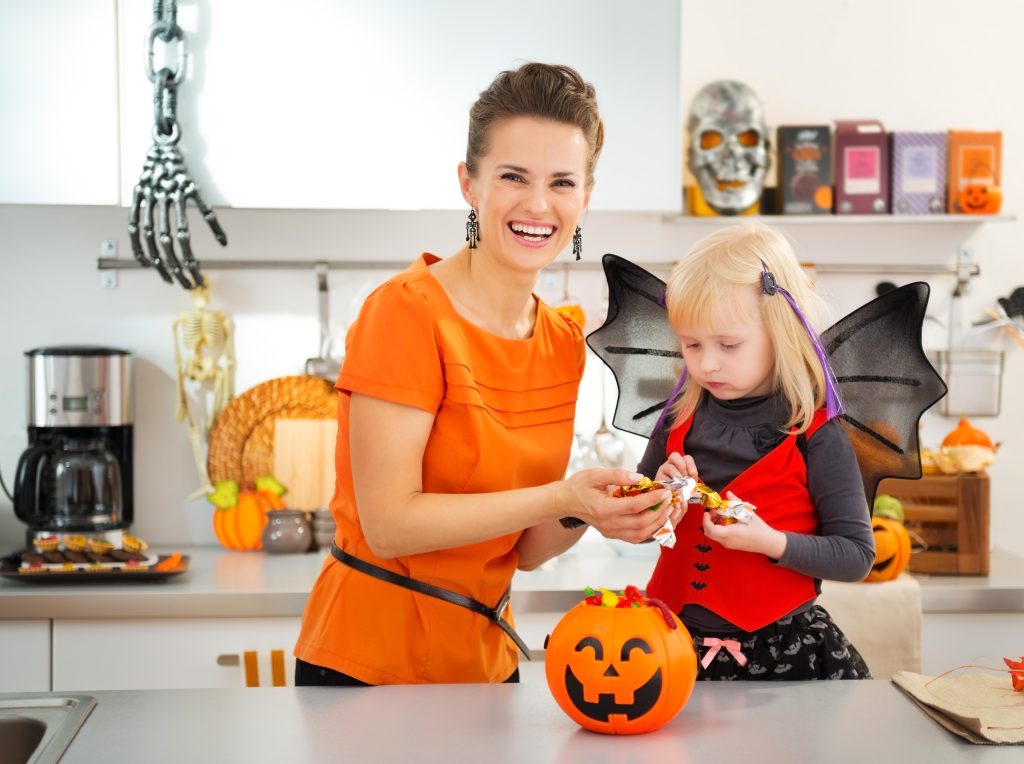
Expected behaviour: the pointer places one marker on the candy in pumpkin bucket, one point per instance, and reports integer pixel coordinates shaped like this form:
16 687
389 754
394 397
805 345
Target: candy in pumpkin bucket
620 664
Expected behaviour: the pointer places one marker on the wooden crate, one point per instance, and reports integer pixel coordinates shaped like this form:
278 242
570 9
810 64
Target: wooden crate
951 514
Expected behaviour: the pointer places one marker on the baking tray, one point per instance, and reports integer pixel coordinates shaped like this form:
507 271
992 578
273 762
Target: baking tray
10 568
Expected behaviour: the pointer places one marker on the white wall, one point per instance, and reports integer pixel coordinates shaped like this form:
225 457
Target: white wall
50 293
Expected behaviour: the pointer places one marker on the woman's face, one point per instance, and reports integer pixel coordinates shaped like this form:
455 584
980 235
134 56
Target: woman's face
528 190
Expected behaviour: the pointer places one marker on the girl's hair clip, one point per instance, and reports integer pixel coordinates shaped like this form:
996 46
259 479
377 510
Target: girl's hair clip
768 283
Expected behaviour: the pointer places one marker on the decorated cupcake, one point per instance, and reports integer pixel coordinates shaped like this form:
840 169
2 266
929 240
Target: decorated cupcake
46 543
76 543
133 544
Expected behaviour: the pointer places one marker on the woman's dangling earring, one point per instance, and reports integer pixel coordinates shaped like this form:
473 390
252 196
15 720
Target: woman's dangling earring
472 229
577 243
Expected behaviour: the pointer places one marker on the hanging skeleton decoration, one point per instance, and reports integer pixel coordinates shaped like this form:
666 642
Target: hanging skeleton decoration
728 152
164 186
206 377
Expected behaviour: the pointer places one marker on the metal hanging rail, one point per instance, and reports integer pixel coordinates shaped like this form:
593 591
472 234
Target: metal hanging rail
124 264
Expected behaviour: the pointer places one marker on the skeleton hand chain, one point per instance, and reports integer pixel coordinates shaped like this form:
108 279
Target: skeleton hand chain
164 183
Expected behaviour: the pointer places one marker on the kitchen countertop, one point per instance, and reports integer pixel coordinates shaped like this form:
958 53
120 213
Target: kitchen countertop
744 721
220 583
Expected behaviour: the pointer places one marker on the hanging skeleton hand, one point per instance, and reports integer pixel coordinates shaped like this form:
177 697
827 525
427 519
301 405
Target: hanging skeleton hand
164 184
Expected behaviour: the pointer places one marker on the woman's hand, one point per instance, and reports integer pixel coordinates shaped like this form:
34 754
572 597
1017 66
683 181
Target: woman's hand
677 466
755 536
628 518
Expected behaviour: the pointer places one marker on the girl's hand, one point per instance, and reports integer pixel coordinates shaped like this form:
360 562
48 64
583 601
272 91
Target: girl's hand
628 518
755 536
677 466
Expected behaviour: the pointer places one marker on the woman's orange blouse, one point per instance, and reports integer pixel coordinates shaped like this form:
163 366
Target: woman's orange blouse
503 419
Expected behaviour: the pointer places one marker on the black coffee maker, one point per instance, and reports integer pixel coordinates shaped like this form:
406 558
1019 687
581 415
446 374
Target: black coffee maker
76 474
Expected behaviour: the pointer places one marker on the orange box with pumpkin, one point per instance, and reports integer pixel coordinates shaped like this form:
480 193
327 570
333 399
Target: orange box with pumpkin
975 167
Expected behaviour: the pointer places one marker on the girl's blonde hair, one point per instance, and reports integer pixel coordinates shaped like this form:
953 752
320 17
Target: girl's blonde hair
715 270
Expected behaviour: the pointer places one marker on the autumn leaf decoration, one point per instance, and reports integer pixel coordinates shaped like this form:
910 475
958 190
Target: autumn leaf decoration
1016 672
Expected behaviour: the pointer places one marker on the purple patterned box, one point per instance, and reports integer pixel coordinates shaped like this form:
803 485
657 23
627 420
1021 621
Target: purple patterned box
918 173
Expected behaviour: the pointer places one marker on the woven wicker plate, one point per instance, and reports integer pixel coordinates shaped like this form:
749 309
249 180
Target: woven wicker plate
242 440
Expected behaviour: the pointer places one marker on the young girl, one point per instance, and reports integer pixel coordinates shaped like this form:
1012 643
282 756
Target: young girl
754 420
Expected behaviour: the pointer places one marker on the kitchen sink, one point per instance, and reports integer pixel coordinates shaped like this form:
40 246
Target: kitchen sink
36 728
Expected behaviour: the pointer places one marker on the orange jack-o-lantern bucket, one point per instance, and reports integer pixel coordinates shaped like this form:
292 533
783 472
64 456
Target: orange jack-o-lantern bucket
620 670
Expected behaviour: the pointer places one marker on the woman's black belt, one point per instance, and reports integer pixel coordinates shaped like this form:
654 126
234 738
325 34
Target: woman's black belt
491 614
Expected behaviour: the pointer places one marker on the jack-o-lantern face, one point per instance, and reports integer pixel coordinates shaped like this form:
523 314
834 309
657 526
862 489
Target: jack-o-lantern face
892 549
620 670
980 199
643 696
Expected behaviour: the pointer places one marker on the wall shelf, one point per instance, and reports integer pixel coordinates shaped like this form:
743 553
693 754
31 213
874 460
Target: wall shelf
964 220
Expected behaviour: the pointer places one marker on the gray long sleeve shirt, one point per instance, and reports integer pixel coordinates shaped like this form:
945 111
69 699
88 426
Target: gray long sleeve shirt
726 437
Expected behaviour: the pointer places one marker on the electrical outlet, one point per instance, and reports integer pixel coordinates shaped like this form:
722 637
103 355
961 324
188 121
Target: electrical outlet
108 279
108 248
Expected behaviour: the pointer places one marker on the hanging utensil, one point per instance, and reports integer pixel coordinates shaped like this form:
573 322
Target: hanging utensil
608 446
570 306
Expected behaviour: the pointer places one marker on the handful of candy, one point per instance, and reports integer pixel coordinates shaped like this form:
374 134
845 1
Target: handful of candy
682 490
688 490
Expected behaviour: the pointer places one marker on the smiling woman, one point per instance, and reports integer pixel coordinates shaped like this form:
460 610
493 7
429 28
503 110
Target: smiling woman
456 412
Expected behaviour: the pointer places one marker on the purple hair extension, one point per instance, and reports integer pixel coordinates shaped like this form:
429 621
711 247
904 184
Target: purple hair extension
669 402
833 403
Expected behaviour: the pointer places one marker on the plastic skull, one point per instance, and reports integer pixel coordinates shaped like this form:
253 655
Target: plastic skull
728 146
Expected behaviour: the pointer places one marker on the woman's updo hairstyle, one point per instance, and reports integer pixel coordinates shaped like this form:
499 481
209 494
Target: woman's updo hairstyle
547 91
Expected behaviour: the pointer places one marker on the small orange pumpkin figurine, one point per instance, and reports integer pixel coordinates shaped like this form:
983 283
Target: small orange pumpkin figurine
240 526
968 448
620 664
967 434
892 549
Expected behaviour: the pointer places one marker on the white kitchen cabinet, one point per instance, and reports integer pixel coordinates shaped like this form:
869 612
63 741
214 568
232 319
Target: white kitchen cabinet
359 105
25 656
153 654
58 109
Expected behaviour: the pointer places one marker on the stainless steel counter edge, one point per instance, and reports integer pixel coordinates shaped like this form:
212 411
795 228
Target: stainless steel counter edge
223 584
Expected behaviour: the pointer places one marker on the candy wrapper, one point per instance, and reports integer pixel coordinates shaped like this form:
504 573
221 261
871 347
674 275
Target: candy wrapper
727 511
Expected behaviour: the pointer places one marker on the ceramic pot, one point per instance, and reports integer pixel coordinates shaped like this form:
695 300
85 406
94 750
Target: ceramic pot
287 532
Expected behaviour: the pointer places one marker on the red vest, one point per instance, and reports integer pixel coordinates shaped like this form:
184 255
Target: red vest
745 588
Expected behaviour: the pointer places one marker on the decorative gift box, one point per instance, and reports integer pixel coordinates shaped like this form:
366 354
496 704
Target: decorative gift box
975 160
805 170
918 173
862 167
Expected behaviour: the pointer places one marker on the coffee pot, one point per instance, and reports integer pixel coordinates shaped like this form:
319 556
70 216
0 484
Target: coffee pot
69 484
76 474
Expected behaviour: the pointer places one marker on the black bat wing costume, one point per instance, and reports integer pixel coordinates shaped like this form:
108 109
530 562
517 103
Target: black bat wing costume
884 377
